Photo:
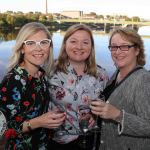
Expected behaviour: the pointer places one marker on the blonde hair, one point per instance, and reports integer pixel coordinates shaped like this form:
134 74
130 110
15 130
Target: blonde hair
133 37
63 58
25 32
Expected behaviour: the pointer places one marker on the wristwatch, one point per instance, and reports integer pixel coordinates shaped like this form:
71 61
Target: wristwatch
3 124
28 124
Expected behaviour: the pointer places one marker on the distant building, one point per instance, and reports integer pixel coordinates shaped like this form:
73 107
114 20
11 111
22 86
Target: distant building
59 16
89 16
72 14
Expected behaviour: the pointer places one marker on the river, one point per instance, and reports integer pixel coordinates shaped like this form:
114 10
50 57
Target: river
103 57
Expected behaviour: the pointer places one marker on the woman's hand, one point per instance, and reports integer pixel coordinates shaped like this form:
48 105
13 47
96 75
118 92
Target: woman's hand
104 110
53 119
48 120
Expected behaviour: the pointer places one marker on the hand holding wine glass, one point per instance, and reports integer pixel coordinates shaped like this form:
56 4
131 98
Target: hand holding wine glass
96 127
58 109
105 110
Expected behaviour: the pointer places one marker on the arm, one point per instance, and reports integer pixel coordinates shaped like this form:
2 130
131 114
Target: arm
134 120
48 120
15 108
10 99
139 124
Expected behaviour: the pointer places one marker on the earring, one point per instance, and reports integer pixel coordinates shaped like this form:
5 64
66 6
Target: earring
22 52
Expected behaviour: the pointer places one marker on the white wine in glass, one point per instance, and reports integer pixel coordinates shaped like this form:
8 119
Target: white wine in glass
96 127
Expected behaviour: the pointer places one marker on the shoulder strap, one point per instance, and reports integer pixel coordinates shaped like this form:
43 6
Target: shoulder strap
112 86
131 72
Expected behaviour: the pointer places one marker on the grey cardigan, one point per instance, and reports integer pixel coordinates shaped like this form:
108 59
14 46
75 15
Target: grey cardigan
132 96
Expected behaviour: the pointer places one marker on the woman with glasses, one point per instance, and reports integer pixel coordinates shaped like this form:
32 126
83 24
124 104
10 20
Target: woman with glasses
126 113
24 95
76 79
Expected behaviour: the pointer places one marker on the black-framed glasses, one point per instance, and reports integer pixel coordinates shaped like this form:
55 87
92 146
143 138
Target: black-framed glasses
121 47
31 44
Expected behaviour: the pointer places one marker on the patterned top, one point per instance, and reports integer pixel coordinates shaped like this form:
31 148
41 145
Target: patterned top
71 93
23 97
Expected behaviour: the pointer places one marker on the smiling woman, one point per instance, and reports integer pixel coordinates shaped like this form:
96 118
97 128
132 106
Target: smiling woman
77 76
126 114
24 94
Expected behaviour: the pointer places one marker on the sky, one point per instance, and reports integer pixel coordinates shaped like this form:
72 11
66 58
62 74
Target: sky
129 8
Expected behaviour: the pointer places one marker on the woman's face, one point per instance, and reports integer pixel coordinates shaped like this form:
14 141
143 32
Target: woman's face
124 58
35 54
78 46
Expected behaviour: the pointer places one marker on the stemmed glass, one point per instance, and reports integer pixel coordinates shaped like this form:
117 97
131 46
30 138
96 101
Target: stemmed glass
57 108
84 112
96 127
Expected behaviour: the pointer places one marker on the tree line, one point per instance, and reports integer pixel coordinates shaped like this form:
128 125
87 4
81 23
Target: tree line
12 20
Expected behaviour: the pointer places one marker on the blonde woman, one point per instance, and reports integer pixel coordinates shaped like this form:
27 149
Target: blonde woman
24 95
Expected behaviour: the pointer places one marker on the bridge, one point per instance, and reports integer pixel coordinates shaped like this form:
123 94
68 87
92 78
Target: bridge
105 21
104 25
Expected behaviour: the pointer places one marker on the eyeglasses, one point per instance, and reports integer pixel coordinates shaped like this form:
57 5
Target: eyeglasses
31 44
121 47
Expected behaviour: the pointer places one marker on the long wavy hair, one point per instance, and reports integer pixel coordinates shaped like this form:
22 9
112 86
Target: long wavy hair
133 37
63 57
25 32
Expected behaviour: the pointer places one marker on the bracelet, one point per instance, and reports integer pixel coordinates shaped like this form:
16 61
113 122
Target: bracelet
28 124
119 118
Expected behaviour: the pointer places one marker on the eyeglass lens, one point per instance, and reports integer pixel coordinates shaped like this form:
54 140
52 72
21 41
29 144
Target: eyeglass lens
44 44
121 47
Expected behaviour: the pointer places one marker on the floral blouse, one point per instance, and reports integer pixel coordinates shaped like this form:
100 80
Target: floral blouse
71 93
23 97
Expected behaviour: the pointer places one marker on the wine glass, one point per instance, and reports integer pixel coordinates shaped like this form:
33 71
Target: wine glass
58 109
84 112
96 127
